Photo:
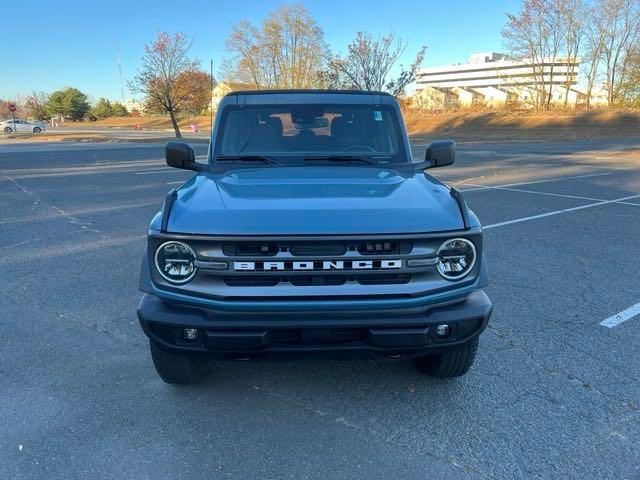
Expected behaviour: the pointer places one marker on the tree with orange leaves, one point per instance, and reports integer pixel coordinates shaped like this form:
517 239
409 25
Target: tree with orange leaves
170 80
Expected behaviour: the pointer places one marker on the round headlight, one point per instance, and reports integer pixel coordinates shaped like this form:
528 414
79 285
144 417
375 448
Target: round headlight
176 262
456 258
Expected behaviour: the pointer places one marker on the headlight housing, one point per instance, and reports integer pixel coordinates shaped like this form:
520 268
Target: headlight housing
176 262
456 258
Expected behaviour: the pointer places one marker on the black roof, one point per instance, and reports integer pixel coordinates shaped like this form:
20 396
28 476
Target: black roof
306 90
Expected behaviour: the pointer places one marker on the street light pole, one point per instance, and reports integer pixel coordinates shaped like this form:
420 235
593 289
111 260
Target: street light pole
211 100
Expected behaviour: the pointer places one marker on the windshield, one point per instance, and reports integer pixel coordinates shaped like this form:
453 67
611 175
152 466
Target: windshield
291 134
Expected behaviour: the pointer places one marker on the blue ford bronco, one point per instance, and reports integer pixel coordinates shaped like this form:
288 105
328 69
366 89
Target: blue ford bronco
311 228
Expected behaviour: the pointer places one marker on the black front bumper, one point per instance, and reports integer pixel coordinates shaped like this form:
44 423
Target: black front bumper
251 334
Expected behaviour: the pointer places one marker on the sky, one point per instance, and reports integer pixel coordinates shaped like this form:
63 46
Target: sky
62 43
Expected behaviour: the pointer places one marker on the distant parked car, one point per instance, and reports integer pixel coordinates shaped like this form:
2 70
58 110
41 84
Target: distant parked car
21 126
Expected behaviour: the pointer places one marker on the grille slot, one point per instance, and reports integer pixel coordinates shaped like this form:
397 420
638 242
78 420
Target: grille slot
285 336
383 279
248 281
310 250
251 250
383 248
346 335
304 280
293 336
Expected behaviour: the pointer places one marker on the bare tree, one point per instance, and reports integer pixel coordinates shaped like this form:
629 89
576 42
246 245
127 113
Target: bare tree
368 64
36 104
246 64
557 33
573 15
595 37
537 34
165 77
287 51
630 87
620 23
4 108
548 31
398 85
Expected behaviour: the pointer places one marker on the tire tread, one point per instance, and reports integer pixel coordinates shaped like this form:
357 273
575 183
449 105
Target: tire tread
451 363
177 368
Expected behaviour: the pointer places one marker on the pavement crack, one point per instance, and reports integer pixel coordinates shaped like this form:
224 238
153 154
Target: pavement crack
543 391
347 423
37 201
19 244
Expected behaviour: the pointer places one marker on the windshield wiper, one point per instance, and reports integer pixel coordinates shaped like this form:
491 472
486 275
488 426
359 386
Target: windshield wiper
246 158
338 158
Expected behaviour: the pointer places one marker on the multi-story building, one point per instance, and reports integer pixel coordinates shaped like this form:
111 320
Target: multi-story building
492 79
132 105
222 88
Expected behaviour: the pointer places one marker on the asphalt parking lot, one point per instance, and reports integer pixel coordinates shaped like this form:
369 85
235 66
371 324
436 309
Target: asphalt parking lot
554 393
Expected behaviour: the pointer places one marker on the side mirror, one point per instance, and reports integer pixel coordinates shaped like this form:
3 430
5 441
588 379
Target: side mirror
440 153
181 155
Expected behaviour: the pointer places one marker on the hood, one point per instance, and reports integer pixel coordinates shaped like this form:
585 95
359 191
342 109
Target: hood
319 200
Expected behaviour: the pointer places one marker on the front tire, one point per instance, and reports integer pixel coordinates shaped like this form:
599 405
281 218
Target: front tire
7 130
454 362
178 368
37 129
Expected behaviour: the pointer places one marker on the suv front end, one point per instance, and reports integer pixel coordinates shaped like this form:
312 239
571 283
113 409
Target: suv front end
247 262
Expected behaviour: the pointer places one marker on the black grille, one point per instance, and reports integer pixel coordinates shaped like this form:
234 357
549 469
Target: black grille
251 250
257 281
285 336
291 336
307 280
375 252
309 250
314 280
383 248
383 279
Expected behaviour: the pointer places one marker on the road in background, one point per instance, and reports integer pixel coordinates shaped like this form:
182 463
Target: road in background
553 393
102 134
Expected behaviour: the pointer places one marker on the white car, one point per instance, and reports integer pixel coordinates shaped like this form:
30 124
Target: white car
21 126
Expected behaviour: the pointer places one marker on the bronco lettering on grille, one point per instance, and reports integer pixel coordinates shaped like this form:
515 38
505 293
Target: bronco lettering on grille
317 265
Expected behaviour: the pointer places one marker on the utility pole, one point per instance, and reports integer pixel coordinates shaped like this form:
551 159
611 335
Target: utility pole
211 101
120 72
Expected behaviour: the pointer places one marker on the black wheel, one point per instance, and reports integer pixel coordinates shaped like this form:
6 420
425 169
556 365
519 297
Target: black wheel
452 363
37 129
178 368
7 130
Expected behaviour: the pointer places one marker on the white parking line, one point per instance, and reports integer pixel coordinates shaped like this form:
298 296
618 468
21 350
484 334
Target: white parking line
558 212
557 179
562 195
621 317
175 183
166 170
519 190
483 153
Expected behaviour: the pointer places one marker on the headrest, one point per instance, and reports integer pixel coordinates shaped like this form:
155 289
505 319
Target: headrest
340 127
275 126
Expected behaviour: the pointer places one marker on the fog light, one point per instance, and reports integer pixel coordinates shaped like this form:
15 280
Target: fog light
443 330
190 334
